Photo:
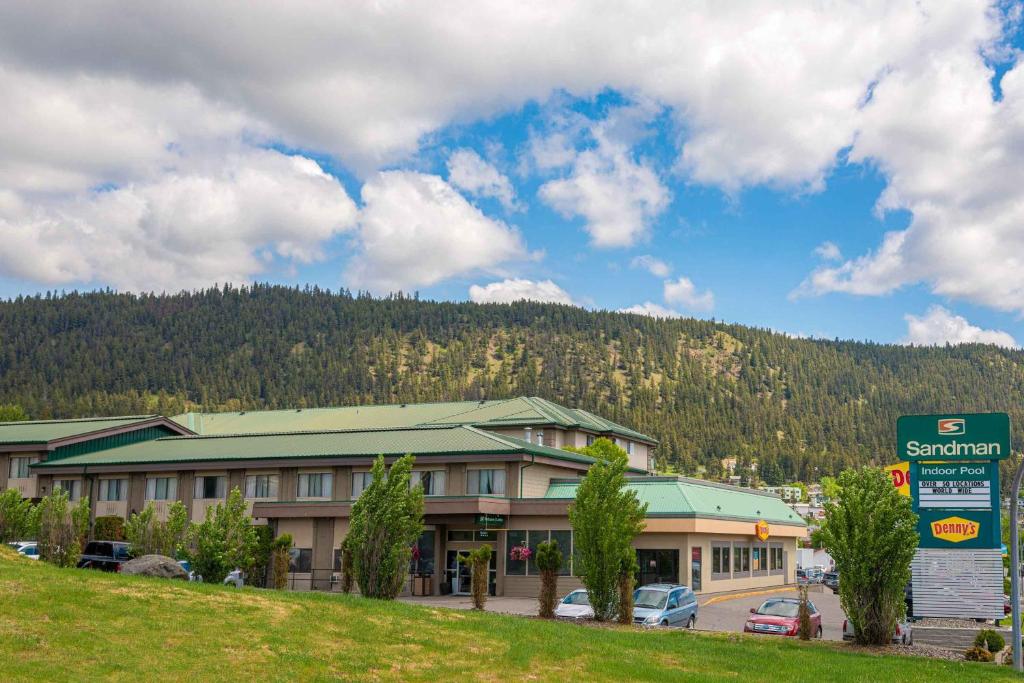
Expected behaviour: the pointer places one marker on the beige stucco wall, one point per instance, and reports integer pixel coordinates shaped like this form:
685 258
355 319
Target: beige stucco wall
749 581
112 508
536 478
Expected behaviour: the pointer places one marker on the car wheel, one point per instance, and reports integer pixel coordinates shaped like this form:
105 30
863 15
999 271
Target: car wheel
819 633
691 622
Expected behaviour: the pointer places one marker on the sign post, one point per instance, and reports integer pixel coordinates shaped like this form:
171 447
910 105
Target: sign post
954 485
1015 567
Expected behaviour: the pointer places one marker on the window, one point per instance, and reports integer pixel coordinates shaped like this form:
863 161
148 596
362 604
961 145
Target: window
720 561
485 482
360 480
531 539
564 539
514 539
162 488
433 482
261 486
301 560
460 534
72 486
591 439
741 560
113 489
314 485
760 563
19 467
629 447
775 558
210 488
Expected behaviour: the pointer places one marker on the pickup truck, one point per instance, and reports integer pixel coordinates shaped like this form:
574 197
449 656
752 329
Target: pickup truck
107 556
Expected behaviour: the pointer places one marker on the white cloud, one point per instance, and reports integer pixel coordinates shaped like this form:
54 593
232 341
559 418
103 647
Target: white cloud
468 171
416 230
939 326
509 291
828 251
190 227
654 266
684 293
651 309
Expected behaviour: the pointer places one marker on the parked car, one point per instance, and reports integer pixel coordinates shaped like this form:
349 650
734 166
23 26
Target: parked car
107 556
27 548
575 605
904 634
665 604
908 599
801 577
815 574
831 580
779 616
235 579
187 566
1007 608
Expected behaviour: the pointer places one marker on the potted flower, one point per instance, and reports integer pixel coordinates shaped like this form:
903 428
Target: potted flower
520 553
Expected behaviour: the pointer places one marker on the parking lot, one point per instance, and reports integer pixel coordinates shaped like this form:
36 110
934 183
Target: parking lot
728 613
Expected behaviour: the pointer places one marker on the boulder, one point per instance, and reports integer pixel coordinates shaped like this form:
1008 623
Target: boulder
160 566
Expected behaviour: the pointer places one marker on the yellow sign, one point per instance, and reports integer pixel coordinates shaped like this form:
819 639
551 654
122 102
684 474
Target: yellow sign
761 530
900 474
955 529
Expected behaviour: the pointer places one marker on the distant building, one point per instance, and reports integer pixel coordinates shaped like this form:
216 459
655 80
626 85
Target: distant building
790 494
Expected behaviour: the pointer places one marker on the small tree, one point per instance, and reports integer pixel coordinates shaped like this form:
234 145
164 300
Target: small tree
147 535
262 556
15 517
58 540
12 412
347 575
627 581
108 528
871 532
605 518
387 519
549 562
80 524
281 560
225 541
479 562
803 615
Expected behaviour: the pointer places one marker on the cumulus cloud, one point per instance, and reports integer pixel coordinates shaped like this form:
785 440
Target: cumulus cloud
939 326
468 171
651 309
416 230
509 291
654 266
189 227
828 251
684 293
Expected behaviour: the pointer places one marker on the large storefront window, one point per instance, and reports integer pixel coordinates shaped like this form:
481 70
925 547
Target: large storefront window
423 554
720 567
531 539
741 560
775 558
657 566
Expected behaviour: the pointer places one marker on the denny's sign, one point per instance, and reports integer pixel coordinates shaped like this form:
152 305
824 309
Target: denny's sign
761 530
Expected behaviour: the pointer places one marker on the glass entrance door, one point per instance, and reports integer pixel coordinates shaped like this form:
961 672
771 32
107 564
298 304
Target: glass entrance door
457 573
658 566
695 568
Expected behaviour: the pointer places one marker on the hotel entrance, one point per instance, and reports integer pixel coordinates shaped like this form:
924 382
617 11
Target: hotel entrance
458 577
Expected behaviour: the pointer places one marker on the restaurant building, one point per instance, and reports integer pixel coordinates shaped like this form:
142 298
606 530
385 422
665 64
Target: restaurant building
493 472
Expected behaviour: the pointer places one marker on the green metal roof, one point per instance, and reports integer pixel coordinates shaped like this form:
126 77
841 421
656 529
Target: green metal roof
683 497
435 440
45 431
513 412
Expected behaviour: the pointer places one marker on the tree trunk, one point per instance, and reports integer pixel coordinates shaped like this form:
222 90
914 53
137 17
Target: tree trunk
626 581
548 593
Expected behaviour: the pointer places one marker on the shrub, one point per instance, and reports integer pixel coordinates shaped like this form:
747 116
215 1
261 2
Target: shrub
347 574
263 555
804 616
387 520
605 519
990 640
15 517
978 654
58 539
871 532
281 559
108 529
549 562
147 535
225 541
479 562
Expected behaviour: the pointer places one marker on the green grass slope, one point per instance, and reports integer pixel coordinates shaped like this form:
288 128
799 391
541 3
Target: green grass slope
82 625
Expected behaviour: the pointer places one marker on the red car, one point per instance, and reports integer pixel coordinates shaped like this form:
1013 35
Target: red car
778 616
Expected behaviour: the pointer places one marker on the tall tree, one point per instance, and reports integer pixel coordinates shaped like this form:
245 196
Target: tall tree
387 519
606 517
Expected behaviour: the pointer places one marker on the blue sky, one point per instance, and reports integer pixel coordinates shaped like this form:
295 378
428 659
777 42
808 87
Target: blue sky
550 160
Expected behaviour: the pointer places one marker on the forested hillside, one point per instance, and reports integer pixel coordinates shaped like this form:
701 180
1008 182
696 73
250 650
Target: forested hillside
803 408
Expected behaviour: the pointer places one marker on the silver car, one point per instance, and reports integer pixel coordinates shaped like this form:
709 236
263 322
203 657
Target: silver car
664 604
904 632
575 605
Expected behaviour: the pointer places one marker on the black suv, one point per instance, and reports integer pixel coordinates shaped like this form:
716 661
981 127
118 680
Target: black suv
105 555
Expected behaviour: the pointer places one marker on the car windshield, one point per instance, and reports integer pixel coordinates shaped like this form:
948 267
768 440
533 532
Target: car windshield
778 608
576 598
649 599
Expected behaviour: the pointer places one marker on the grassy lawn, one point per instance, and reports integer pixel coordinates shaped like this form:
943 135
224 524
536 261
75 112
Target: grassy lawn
79 624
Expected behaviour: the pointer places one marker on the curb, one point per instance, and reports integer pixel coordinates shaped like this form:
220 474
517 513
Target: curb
746 594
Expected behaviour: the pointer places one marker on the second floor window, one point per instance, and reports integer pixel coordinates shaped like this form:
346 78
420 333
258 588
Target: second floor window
19 467
485 482
210 488
433 482
261 486
113 489
315 485
162 488
360 480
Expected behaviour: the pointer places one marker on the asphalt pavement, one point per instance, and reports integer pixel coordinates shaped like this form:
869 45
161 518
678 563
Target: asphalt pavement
729 613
